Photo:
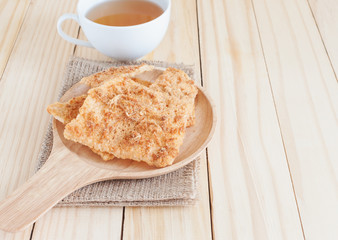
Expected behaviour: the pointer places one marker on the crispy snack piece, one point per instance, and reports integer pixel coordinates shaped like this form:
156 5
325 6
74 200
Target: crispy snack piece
175 93
104 155
143 82
173 81
97 79
178 84
67 111
131 121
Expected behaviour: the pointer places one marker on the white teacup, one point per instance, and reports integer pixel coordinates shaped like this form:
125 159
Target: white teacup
121 43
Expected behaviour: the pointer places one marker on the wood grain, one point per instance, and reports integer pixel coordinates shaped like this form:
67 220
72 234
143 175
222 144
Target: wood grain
80 223
305 94
24 235
170 222
252 195
250 187
179 45
26 86
12 14
63 173
192 222
325 14
11 17
110 227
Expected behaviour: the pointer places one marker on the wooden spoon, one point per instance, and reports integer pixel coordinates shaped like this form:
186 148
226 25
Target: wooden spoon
72 165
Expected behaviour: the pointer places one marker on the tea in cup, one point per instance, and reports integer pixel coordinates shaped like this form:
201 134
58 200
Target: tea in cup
121 29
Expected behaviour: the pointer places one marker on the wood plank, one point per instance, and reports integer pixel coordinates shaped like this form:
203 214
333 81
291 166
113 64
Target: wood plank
12 14
190 222
325 14
16 236
179 45
252 194
80 223
305 93
33 72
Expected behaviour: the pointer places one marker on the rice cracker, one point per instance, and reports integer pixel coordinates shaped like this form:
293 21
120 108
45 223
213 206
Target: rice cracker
97 79
178 84
66 111
131 121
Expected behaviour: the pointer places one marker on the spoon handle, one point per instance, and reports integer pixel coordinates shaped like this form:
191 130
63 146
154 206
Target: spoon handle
61 175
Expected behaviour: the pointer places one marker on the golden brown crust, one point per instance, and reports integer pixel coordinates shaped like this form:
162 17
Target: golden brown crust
67 111
97 79
104 155
131 118
130 121
143 82
178 84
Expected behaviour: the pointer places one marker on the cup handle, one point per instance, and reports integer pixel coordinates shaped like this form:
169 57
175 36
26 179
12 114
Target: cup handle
65 36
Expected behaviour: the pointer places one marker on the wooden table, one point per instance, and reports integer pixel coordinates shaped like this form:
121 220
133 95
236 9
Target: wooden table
271 170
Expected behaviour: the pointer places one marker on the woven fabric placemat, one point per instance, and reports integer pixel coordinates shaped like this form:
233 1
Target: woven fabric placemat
172 189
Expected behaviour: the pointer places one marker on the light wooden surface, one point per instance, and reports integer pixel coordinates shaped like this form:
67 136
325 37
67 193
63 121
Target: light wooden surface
271 170
326 18
248 167
12 14
306 98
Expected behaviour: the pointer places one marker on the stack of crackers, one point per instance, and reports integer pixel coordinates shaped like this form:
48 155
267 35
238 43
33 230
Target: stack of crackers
128 118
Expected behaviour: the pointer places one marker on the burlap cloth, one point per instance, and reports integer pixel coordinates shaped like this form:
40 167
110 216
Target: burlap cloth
175 188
